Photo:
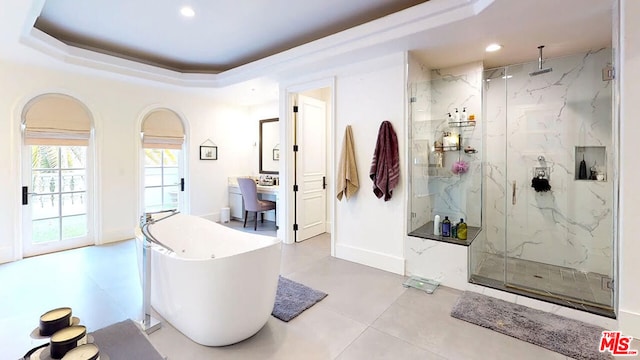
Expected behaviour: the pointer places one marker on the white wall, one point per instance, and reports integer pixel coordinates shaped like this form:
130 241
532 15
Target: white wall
226 125
117 107
369 230
629 73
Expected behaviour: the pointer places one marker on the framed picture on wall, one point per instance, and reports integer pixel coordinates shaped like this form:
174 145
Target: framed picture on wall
208 153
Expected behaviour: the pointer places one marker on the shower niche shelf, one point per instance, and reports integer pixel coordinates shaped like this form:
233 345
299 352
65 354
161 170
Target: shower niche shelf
595 158
447 148
466 123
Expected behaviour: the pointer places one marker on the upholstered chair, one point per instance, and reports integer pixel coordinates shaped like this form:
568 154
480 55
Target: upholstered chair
249 192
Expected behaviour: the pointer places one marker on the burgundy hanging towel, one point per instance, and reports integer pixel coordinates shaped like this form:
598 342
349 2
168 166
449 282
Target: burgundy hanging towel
385 165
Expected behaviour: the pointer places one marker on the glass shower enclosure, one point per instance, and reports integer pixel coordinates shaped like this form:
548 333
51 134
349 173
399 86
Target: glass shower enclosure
549 185
446 162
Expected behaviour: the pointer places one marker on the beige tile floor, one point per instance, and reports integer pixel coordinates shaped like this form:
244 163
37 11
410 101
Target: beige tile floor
367 315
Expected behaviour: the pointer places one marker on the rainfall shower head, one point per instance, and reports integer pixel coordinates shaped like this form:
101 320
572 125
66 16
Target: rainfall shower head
540 69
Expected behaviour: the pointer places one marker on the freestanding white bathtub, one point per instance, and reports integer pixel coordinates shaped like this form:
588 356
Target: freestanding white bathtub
219 287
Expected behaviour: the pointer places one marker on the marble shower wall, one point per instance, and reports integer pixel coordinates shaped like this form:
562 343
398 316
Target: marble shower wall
436 190
550 115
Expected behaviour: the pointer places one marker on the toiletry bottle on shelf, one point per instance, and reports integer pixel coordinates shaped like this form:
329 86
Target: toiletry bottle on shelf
454 230
436 225
463 116
462 230
456 115
446 227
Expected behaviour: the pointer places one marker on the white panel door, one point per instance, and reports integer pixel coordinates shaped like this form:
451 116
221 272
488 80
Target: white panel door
312 208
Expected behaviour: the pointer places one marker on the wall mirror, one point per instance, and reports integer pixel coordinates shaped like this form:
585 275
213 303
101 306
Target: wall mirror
269 157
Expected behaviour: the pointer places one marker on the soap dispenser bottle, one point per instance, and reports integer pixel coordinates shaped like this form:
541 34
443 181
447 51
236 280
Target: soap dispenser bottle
463 116
456 115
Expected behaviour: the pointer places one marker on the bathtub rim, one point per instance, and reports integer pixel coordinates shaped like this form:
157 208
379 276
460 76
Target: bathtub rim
164 251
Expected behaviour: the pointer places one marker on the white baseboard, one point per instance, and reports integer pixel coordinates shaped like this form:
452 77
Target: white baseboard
374 259
629 323
116 235
6 254
215 217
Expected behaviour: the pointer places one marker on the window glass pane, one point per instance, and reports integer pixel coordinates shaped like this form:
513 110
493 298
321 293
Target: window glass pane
73 157
152 199
44 181
74 226
44 206
152 177
171 176
152 157
73 204
45 230
162 179
171 157
171 197
44 157
73 180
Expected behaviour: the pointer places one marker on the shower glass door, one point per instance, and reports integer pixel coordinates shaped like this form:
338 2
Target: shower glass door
559 228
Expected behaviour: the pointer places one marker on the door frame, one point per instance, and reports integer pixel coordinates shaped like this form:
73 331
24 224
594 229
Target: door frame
288 96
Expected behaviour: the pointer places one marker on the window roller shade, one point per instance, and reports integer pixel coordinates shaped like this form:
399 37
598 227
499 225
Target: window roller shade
56 119
162 129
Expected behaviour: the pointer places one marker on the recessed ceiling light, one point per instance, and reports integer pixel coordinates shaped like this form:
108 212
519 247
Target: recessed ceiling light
187 11
493 47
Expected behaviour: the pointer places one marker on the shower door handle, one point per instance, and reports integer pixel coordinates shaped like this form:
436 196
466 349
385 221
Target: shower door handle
513 193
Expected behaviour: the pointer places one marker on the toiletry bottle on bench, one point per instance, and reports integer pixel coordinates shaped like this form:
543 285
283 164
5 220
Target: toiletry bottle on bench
454 230
446 227
462 230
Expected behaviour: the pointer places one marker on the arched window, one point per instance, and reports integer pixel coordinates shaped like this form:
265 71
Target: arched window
162 140
57 133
